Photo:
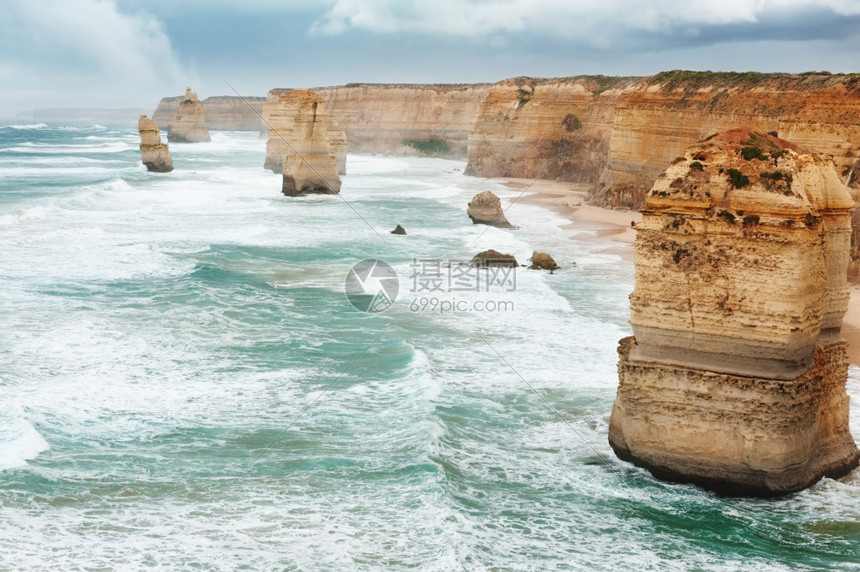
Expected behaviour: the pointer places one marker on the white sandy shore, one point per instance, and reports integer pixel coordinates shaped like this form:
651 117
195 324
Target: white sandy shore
568 200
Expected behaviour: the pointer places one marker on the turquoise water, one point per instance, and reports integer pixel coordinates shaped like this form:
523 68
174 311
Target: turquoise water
184 384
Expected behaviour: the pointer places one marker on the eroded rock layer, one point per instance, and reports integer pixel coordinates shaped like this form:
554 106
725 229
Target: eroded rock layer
189 123
153 153
310 174
551 129
403 119
299 123
621 133
735 376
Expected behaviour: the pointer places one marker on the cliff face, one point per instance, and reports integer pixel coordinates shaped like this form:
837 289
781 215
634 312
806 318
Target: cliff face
656 119
153 153
524 124
189 123
223 113
380 118
648 122
551 129
735 376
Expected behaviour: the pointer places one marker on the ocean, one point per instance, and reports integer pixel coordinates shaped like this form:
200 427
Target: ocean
185 385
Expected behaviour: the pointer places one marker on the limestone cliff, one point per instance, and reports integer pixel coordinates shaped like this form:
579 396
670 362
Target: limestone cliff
528 127
303 140
298 122
620 133
223 113
735 376
189 123
403 119
153 153
549 129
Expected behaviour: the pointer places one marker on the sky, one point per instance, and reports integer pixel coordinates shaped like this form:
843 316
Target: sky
125 53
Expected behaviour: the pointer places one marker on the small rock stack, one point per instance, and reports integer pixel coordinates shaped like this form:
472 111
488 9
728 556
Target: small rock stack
154 154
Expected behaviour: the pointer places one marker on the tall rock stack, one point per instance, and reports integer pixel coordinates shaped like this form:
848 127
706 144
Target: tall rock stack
300 147
189 123
298 122
154 154
735 376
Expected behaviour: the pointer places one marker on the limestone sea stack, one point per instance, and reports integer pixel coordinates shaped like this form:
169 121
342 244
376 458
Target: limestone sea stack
154 154
298 123
299 143
486 208
189 123
310 174
735 376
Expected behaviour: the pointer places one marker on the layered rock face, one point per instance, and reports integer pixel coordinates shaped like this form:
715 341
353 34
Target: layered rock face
223 113
298 122
549 129
189 123
735 376
521 128
379 118
303 140
153 153
621 133
310 174
658 118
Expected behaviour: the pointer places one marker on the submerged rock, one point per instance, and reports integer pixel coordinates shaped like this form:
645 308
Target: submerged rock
153 153
735 376
491 257
189 123
542 261
398 230
486 208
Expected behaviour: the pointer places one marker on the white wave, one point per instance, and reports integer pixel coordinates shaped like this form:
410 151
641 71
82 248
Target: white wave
26 126
51 149
32 213
94 127
19 440
56 170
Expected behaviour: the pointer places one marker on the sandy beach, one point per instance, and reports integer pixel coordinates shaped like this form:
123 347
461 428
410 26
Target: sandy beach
568 199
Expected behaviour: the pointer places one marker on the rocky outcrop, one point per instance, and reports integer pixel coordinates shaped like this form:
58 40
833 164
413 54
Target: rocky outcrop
492 257
310 174
298 122
542 261
154 154
223 112
735 376
398 230
189 123
390 118
486 208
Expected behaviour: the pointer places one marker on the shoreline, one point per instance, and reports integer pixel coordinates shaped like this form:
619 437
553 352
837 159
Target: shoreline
568 200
